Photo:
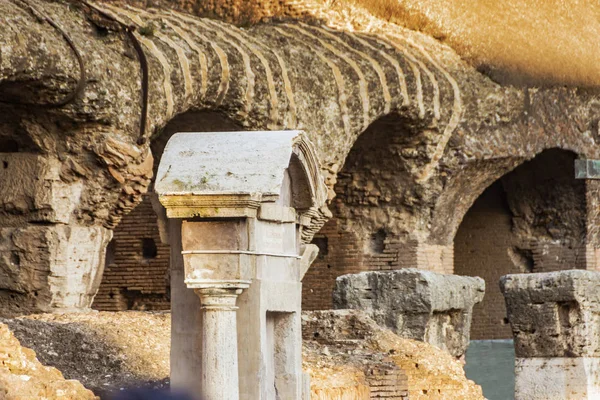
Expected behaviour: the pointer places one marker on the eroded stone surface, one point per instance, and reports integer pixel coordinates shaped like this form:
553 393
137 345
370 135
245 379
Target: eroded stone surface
22 376
431 372
554 318
345 351
415 304
554 314
447 131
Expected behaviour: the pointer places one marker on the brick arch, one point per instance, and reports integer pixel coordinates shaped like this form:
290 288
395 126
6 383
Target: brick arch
371 221
532 219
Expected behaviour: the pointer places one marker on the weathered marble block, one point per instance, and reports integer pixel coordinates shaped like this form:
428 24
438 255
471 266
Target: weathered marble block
415 304
556 326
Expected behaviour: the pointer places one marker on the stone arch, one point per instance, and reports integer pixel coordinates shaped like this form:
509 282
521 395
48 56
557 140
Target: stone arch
531 219
372 194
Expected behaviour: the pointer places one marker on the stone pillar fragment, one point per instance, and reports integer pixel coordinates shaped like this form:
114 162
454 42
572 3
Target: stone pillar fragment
555 319
49 261
219 343
241 218
421 305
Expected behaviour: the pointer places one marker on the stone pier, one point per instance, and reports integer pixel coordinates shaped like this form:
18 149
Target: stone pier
555 319
240 207
421 305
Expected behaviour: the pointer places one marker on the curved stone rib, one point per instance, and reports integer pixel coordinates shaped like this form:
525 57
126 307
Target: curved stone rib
339 79
391 60
273 99
201 56
249 73
221 54
374 64
184 62
167 69
362 82
421 64
291 121
457 110
416 73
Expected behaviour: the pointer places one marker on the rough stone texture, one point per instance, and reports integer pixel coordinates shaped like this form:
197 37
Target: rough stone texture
554 314
347 370
432 373
22 376
531 220
554 318
449 131
246 200
415 304
104 351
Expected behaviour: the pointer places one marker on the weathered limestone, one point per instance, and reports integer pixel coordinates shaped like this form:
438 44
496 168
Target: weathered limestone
444 130
556 327
22 376
219 343
415 304
239 203
48 261
432 373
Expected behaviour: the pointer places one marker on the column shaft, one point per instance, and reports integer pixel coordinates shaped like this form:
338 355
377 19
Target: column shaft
220 379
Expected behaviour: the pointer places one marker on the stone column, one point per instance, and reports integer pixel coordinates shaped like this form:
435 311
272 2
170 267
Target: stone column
220 379
555 319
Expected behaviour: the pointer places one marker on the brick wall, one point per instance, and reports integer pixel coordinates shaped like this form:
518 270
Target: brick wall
486 245
481 248
344 252
132 280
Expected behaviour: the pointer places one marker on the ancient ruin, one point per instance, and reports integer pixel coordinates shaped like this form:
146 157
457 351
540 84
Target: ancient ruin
415 304
554 318
238 162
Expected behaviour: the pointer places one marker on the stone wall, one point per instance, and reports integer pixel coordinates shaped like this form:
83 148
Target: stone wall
445 130
136 276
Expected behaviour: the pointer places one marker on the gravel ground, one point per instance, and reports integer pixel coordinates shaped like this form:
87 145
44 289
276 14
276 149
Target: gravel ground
105 351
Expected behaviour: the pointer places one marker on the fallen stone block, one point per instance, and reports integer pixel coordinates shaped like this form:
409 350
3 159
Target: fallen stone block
415 304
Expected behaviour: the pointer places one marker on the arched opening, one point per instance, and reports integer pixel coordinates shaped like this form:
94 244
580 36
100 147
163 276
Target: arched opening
373 213
532 219
138 278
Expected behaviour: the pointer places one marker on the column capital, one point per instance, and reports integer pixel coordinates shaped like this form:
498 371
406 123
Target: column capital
218 299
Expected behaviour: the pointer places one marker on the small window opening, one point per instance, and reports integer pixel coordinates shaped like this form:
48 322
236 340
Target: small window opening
111 249
323 244
149 249
378 241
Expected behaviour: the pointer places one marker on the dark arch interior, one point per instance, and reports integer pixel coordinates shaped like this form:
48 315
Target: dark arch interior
374 182
531 220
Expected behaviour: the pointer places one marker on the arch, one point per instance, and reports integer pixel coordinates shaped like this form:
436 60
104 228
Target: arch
532 219
371 204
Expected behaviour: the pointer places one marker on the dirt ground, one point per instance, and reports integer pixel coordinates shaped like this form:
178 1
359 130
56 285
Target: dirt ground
111 351
105 351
